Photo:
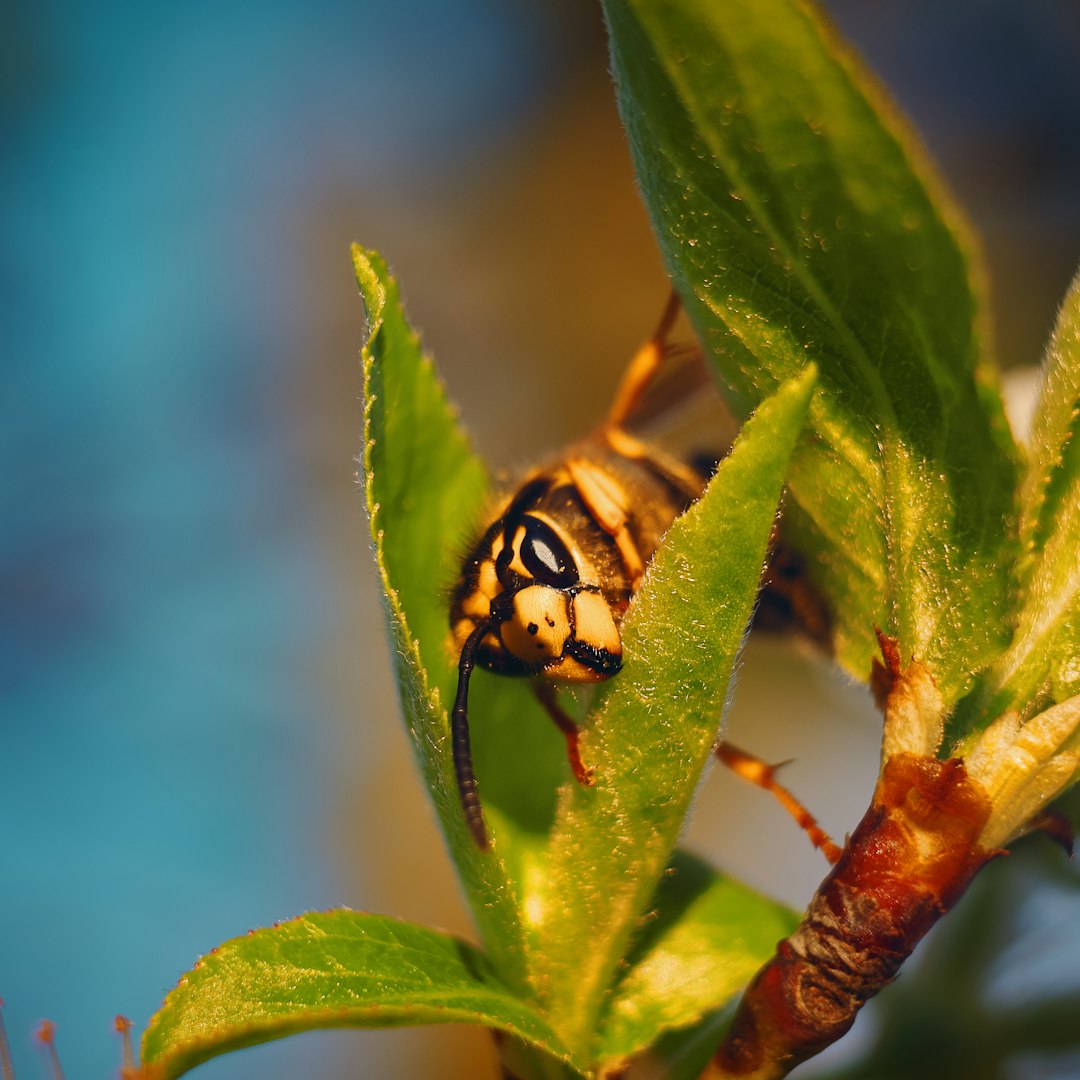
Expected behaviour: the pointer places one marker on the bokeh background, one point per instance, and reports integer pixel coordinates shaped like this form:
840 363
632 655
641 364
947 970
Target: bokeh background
198 734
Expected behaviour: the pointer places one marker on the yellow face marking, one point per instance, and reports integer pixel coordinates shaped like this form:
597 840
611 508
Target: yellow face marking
476 606
487 581
594 623
461 630
570 670
540 625
487 578
515 564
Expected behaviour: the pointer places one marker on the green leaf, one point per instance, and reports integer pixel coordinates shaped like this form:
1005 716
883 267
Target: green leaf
1044 658
800 224
684 1054
707 937
656 724
655 728
425 489
332 970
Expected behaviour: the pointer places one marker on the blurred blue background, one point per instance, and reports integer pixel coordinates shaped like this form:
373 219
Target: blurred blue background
197 732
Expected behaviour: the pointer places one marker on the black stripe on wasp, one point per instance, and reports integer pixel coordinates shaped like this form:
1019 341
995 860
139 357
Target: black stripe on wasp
543 591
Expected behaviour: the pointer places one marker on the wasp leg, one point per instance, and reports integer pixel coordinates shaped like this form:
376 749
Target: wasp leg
680 477
643 367
758 772
545 694
605 501
640 373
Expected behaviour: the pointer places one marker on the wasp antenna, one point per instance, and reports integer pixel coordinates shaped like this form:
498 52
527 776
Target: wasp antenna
46 1035
7 1066
459 732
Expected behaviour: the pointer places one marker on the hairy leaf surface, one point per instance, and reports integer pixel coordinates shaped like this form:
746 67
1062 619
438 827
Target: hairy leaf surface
425 489
800 225
706 938
1044 659
333 969
655 727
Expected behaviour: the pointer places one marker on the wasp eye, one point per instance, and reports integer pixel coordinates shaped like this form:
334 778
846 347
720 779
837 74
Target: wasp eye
545 556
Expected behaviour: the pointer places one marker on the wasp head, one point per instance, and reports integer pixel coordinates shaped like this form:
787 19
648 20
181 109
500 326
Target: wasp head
541 612
526 605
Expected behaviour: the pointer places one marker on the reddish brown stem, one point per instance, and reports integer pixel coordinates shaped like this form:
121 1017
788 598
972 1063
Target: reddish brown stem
909 860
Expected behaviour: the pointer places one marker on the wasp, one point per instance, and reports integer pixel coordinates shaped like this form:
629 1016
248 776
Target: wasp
543 591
